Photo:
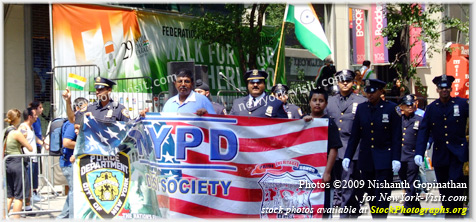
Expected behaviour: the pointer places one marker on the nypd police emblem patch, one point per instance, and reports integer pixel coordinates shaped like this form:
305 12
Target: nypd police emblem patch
105 182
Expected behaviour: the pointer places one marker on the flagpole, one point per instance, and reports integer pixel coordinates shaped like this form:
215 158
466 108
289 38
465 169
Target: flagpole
279 47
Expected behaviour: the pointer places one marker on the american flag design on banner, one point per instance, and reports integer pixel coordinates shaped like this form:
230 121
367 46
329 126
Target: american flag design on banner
219 166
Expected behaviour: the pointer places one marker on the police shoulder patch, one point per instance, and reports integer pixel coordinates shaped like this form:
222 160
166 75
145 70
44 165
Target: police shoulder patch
125 112
398 110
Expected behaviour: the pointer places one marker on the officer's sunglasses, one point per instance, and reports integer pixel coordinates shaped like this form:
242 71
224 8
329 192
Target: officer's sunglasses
280 93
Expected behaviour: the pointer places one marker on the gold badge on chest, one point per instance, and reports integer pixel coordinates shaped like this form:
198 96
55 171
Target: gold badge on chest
269 111
109 114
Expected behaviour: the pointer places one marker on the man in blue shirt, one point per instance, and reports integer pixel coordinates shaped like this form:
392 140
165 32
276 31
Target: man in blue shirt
187 101
69 141
38 106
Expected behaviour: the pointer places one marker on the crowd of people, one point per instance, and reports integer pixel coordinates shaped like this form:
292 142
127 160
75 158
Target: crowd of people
369 138
22 138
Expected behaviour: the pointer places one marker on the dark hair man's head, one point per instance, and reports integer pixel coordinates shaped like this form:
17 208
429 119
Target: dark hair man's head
29 114
185 73
319 91
184 83
366 63
318 101
80 103
38 106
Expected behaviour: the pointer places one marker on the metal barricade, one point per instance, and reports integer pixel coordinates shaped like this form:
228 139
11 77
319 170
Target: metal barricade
134 93
60 81
43 206
162 98
226 97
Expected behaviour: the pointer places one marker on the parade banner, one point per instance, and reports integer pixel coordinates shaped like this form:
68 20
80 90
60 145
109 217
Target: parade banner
358 35
417 52
379 21
457 65
186 166
131 43
127 43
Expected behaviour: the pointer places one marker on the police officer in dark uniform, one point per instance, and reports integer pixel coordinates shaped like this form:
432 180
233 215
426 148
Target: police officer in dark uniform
204 89
342 108
445 121
105 109
280 91
409 170
377 128
257 103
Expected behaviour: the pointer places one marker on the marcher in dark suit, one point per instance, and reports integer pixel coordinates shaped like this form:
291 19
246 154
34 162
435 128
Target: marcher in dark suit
409 170
257 103
445 121
342 108
280 91
377 128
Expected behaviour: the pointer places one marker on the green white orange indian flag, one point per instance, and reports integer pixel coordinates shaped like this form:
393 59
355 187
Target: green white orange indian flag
308 29
76 81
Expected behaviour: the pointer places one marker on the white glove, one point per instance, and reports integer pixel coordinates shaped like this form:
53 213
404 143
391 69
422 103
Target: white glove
418 160
345 164
396 166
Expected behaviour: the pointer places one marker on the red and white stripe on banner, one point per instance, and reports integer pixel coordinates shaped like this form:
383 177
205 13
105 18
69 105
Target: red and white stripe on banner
271 157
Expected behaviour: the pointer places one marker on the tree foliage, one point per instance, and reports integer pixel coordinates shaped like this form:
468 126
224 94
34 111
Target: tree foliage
400 18
235 27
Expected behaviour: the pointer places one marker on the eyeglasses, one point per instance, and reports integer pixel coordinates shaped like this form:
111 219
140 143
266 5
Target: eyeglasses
260 82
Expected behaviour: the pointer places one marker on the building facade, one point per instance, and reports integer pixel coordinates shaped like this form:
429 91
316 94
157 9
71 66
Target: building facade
27 49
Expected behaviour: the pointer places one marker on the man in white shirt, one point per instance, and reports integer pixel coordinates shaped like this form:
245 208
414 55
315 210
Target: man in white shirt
26 128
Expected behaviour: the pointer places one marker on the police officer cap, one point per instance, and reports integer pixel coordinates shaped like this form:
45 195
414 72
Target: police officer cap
255 75
279 88
103 83
372 85
443 81
201 85
345 75
408 100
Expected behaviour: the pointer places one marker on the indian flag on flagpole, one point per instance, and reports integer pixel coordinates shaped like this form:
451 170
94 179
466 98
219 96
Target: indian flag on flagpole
308 29
76 81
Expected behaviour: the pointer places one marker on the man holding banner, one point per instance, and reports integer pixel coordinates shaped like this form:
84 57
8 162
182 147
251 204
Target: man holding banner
257 103
187 100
